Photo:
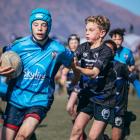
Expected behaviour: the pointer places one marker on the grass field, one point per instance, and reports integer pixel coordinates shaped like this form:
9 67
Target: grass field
57 125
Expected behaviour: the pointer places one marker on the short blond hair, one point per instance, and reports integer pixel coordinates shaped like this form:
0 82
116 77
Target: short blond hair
102 21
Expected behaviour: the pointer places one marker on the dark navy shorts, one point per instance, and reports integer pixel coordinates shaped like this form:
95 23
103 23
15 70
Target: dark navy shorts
99 112
14 117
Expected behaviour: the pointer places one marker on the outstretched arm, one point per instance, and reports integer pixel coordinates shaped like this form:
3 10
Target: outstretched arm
77 73
89 72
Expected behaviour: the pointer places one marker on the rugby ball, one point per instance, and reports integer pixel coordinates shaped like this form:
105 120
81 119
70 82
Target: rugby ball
11 59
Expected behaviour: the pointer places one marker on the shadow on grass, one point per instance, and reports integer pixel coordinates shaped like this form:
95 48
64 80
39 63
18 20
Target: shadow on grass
43 125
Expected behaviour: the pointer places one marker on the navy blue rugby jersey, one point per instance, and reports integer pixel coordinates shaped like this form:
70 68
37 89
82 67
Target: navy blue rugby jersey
101 88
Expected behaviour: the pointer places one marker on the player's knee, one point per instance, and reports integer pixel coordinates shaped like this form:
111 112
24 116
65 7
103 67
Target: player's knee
95 136
76 131
68 109
21 137
116 133
116 136
92 136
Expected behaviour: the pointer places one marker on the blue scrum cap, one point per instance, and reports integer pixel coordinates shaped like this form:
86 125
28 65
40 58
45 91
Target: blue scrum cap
41 14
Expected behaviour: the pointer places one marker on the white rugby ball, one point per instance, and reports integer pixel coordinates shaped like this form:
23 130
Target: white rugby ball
11 59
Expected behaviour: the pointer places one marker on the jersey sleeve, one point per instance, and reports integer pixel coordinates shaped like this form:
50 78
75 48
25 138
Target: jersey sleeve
78 53
81 49
105 56
67 58
16 45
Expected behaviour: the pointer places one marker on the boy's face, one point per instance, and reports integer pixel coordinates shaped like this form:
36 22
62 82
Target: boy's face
93 32
73 44
39 30
117 39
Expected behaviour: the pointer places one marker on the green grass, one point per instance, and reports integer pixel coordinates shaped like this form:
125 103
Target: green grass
57 125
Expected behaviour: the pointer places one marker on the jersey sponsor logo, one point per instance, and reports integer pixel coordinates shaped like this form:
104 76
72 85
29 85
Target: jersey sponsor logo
89 60
88 63
34 75
38 72
105 113
118 121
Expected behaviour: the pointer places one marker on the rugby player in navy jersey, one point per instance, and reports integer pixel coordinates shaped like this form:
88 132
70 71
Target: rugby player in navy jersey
32 94
97 91
124 64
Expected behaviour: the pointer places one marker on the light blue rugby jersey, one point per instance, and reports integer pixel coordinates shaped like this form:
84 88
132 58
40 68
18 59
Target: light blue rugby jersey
125 56
35 86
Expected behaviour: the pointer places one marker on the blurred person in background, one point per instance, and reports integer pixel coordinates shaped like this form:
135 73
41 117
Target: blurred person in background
66 80
124 65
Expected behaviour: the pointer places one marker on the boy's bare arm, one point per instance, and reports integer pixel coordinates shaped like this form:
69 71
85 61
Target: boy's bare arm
76 74
89 72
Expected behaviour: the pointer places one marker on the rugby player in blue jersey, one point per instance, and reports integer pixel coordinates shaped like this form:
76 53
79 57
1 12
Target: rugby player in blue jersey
32 94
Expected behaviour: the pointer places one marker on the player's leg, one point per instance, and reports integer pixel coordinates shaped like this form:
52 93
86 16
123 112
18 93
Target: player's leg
72 109
79 125
97 130
34 115
117 128
71 105
8 134
12 120
102 115
116 133
120 109
86 113
27 128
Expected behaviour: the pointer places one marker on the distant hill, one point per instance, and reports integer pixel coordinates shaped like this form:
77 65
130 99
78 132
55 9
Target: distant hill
68 16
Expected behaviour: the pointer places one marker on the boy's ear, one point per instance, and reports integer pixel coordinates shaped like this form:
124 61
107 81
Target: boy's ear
103 33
